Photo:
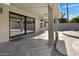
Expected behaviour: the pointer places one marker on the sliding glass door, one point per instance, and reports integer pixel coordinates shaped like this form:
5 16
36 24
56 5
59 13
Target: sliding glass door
20 25
17 26
30 25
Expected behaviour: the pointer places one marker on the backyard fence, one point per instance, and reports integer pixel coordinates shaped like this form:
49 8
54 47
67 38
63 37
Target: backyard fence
68 26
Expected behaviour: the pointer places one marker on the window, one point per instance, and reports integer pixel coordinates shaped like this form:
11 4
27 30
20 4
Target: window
30 24
20 25
16 25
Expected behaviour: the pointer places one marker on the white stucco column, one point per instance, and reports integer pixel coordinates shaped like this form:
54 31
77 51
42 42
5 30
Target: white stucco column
50 25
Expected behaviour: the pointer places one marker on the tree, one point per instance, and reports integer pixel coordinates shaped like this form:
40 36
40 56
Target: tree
63 20
62 14
74 20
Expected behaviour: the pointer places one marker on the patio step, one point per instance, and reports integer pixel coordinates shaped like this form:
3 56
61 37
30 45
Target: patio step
71 34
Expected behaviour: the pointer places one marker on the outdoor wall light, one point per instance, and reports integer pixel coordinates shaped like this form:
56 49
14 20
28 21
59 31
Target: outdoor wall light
41 20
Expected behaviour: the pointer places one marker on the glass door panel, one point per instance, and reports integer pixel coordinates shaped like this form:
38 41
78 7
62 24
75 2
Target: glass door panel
16 25
30 25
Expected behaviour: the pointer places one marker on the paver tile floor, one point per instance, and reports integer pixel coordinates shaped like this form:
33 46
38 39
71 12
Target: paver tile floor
36 44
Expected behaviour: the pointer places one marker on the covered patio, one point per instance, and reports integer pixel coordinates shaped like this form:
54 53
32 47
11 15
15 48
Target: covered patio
43 39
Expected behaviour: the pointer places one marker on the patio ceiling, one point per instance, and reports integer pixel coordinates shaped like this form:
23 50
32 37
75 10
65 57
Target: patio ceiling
40 9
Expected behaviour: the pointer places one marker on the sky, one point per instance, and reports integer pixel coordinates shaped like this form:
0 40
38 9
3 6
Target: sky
73 9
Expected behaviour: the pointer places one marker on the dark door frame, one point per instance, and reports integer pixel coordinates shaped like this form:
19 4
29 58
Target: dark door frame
25 24
34 24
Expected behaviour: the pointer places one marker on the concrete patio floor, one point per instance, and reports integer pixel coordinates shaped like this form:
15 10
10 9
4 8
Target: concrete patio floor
71 41
36 44
74 34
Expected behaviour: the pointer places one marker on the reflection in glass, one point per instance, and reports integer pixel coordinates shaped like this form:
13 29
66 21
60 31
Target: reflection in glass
16 25
30 25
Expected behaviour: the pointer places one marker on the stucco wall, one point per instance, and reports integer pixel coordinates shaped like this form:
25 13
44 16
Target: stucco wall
68 26
4 24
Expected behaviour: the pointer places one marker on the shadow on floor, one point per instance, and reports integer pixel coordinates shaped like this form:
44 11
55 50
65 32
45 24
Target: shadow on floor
61 49
26 36
34 34
30 47
71 35
35 47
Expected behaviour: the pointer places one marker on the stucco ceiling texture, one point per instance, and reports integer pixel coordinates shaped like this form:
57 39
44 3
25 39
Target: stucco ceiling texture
40 9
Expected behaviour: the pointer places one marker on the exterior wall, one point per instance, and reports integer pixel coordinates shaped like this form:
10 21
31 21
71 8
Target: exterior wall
4 21
37 25
45 25
68 26
42 28
4 25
